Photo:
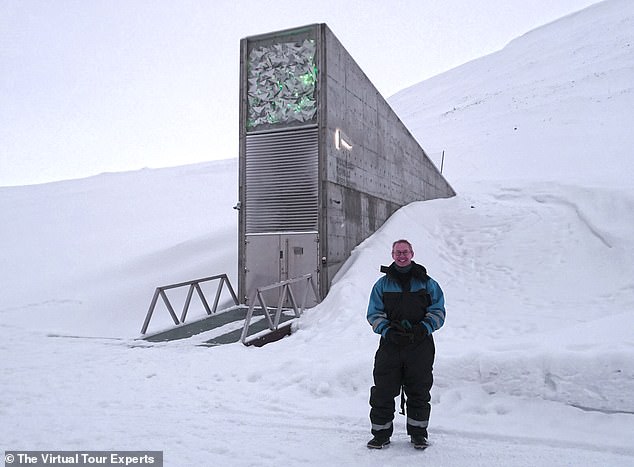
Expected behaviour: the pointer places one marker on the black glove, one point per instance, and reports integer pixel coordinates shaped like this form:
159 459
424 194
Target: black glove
420 332
398 337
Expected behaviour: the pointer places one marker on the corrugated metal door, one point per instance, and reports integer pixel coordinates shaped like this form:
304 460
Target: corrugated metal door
282 207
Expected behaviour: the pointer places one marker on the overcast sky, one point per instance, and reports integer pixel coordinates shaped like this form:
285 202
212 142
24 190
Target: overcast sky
91 86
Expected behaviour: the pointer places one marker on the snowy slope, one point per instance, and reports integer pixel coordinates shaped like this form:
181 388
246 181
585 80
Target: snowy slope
97 247
535 365
552 105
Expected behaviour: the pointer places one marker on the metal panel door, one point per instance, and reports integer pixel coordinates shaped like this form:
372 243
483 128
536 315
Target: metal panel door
262 254
301 256
274 258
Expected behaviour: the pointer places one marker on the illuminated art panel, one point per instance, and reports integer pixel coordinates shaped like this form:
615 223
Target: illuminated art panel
281 84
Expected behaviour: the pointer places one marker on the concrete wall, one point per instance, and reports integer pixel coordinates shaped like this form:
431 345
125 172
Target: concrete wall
385 169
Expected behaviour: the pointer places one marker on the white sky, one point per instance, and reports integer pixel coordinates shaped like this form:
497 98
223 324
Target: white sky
90 86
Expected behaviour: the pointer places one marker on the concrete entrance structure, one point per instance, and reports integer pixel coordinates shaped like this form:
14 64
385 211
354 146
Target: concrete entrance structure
324 160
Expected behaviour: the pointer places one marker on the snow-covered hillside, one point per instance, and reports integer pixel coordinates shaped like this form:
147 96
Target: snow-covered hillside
535 364
555 104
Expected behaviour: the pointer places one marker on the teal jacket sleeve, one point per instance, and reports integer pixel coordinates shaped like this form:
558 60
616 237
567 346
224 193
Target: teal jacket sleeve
435 317
376 311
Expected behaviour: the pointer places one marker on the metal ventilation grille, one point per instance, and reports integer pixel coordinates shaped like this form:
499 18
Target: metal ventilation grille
282 181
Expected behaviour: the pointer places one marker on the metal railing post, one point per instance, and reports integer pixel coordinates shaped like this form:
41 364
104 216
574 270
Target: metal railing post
169 306
188 300
150 312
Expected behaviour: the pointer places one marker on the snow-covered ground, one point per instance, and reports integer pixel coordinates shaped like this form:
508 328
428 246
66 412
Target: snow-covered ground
535 364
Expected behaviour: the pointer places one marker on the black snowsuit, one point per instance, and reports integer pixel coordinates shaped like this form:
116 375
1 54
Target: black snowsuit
405 298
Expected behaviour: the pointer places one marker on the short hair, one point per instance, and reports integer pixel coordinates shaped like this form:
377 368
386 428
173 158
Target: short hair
402 240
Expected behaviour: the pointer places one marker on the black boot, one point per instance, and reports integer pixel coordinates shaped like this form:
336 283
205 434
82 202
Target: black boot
378 443
419 441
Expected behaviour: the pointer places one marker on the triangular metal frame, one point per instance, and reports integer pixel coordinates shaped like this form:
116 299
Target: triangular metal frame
286 291
193 285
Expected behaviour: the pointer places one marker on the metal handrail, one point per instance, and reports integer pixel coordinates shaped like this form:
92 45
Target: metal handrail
193 285
286 291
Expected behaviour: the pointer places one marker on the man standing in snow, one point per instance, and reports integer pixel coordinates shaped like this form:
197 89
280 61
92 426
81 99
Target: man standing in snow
406 307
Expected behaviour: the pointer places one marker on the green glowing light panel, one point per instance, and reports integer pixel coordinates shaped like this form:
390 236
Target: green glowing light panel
281 84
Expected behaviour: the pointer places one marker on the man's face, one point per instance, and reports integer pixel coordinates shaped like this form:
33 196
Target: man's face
402 254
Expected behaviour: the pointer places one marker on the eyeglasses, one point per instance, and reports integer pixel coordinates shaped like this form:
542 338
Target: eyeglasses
401 253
